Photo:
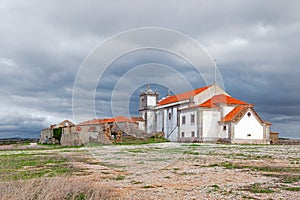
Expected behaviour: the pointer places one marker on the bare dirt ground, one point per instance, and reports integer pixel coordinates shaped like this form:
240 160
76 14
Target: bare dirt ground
170 171
195 171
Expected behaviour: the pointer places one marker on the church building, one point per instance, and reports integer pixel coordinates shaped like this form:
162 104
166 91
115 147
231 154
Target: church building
206 114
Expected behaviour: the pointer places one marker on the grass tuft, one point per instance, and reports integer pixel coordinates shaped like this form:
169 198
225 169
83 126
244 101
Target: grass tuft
257 188
295 189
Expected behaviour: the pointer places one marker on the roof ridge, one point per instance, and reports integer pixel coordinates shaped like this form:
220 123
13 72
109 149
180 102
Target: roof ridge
182 96
222 98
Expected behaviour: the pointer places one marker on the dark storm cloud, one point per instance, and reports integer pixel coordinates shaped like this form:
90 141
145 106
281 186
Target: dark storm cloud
43 43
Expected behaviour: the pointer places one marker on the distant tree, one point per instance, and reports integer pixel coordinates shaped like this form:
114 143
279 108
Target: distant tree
57 133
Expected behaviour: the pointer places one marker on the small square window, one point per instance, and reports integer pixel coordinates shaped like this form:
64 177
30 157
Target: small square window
248 135
224 128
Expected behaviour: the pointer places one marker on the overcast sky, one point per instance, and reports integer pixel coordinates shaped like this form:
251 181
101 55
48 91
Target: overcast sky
43 44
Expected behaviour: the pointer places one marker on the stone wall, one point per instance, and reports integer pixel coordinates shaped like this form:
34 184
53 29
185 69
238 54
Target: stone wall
102 134
289 142
77 139
46 136
71 139
274 137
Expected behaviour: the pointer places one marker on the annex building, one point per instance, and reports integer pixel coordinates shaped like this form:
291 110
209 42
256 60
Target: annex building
207 114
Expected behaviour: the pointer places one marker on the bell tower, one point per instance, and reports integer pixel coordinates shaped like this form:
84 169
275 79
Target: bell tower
148 100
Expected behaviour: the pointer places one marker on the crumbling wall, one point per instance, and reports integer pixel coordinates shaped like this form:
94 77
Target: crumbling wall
71 139
104 137
88 137
77 139
46 136
102 134
128 128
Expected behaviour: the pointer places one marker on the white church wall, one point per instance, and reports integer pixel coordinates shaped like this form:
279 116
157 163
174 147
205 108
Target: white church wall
165 116
159 120
187 126
184 105
223 131
170 119
150 121
248 128
210 124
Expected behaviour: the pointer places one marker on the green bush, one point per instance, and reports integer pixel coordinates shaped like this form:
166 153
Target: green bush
57 133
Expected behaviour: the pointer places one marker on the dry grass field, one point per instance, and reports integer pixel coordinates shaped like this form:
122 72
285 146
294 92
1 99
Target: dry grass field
151 171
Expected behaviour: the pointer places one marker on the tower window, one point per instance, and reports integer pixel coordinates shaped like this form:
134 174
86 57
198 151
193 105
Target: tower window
224 128
183 119
170 115
249 114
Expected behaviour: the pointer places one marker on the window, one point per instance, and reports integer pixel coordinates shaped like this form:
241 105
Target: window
170 115
249 114
193 133
182 134
224 128
192 118
183 120
248 135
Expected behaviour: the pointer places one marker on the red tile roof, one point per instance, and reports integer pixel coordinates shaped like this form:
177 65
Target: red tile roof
221 98
89 122
121 119
182 96
238 112
235 114
135 119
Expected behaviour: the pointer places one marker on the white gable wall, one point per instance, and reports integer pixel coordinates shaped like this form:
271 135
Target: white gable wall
226 109
248 128
208 93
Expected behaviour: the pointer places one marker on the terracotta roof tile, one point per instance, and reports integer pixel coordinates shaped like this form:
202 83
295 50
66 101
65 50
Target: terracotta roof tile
182 96
135 119
235 114
221 98
238 112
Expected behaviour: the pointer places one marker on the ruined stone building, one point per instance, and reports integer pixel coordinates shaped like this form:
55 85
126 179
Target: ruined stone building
103 131
46 135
